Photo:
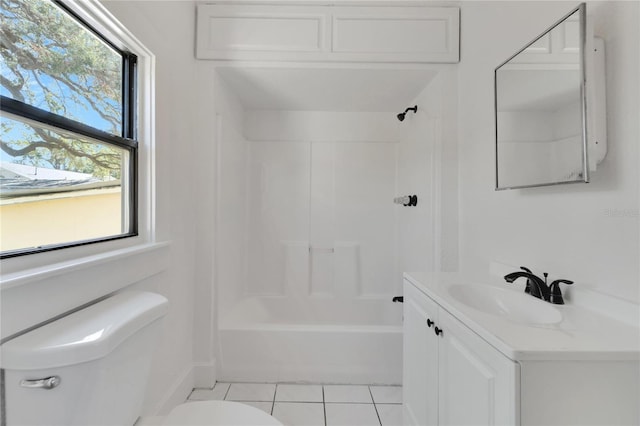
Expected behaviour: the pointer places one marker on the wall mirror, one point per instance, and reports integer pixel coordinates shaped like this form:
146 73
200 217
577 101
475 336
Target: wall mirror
540 106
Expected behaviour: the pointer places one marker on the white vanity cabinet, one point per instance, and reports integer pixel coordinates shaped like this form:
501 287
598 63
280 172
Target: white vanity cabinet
481 369
309 33
420 363
451 375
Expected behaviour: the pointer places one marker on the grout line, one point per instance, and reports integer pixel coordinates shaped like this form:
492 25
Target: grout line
352 403
3 400
375 406
324 407
227 392
273 403
324 401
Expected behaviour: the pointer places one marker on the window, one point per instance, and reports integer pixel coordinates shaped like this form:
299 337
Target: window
69 152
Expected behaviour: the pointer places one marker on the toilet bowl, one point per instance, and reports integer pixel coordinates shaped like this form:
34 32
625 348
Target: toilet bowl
218 413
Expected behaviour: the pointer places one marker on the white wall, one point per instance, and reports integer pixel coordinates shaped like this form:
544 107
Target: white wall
418 171
232 192
587 233
178 155
428 167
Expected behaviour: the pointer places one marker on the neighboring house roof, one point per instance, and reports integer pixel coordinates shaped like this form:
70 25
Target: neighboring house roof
20 180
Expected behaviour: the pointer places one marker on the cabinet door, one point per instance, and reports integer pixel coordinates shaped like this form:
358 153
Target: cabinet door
477 384
251 32
420 366
396 34
263 33
561 45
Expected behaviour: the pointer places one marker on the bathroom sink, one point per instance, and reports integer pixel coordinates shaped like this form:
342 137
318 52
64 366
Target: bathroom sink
513 306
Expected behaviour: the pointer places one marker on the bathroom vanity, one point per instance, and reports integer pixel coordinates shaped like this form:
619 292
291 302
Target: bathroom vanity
476 354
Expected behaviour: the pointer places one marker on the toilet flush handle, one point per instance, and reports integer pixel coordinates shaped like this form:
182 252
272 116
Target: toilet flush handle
46 383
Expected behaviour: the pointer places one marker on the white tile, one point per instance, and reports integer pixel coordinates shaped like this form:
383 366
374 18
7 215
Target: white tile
251 392
149 421
200 395
217 393
351 415
221 387
299 393
347 393
386 394
390 414
264 406
299 413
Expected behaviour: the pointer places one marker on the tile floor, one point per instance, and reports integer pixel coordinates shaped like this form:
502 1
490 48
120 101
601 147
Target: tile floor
311 405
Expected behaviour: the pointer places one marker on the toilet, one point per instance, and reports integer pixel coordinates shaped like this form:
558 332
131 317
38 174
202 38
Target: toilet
91 368
203 413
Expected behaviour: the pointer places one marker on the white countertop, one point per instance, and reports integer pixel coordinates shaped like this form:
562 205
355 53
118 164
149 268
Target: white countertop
582 334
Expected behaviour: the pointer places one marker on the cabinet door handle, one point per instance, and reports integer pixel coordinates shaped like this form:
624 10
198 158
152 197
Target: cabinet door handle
438 331
429 322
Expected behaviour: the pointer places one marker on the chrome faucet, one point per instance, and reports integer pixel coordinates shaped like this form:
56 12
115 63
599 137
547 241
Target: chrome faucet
539 288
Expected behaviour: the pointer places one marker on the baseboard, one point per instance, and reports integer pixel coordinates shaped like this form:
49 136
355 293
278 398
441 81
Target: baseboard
175 394
204 374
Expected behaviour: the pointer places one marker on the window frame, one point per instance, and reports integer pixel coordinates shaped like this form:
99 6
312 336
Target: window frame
127 141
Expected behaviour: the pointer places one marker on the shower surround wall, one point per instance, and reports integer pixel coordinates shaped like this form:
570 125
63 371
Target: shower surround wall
321 221
305 290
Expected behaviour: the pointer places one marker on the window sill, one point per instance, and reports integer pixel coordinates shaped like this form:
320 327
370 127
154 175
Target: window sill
31 297
49 271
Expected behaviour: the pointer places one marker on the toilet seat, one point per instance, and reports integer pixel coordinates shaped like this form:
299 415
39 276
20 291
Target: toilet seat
218 413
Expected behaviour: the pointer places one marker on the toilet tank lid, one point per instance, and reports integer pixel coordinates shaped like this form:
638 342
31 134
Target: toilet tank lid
85 335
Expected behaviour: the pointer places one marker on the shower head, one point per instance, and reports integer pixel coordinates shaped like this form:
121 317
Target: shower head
402 115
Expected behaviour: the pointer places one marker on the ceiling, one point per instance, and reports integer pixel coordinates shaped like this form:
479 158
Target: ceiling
326 89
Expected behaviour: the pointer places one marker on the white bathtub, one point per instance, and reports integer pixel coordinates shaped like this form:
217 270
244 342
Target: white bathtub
325 341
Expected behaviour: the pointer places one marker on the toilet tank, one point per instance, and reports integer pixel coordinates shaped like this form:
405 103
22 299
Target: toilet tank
88 368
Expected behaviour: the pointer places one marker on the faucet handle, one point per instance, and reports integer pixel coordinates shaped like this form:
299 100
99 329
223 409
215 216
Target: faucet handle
527 289
555 293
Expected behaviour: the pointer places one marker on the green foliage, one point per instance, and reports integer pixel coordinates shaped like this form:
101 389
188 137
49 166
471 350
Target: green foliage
52 62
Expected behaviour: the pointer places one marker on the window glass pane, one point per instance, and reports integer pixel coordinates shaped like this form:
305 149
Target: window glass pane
51 61
58 188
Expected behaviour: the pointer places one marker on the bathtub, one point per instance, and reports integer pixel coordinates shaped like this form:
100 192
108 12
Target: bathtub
320 341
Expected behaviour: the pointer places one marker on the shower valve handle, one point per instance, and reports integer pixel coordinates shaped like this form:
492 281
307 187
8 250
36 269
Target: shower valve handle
407 200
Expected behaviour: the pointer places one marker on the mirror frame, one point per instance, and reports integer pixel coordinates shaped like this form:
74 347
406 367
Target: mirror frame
582 9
